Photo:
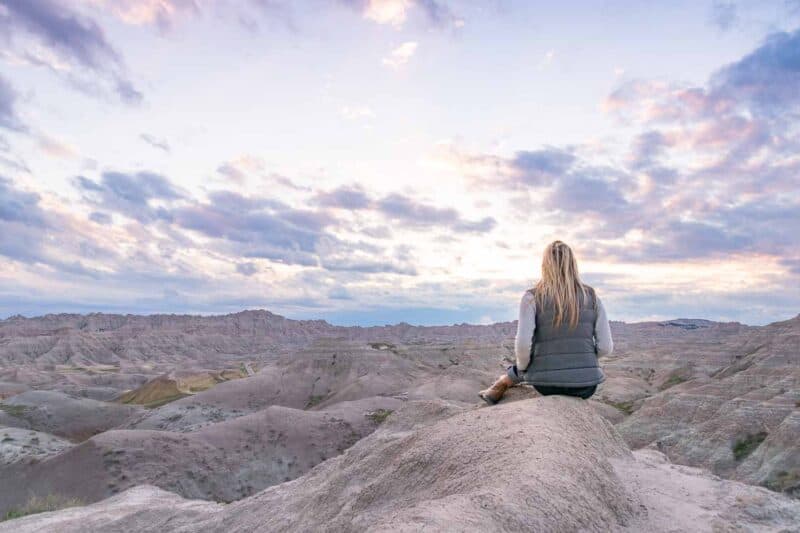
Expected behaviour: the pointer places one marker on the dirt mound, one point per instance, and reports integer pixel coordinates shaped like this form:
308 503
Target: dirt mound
7 390
741 421
517 466
529 465
170 387
683 498
723 396
329 372
53 412
222 462
17 444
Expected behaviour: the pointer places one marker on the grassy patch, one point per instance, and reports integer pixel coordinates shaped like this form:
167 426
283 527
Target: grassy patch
382 346
13 410
745 446
625 407
37 504
380 415
314 400
788 482
674 379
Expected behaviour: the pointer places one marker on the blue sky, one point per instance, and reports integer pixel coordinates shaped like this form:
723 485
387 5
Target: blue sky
377 161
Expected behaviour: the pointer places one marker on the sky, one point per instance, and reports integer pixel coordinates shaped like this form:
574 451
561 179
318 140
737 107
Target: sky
377 161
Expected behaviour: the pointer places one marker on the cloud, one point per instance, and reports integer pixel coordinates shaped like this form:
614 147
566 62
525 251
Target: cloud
158 13
11 160
401 208
20 206
396 12
414 214
586 192
400 55
439 13
132 195
257 227
344 198
711 173
367 265
28 232
340 293
264 228
762 84
55 148
246 269
8 112
159 144
245 226
533 167
71 37
724 14
254 168
232 172
646 149
100 218
765 80
392 12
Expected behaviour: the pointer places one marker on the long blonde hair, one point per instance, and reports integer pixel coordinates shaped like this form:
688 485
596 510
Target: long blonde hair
560 284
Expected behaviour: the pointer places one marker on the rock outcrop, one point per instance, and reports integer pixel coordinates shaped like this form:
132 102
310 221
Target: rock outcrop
721 396
531 465
65 416
741 420
220 462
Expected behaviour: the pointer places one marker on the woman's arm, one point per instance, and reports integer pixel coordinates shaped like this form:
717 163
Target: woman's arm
525 328
602 332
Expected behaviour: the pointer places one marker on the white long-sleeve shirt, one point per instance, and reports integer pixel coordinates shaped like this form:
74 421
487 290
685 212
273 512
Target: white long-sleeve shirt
527 326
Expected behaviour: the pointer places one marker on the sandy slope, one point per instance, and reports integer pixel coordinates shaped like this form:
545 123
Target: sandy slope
532 465
329 372
222 462
694 389
62 415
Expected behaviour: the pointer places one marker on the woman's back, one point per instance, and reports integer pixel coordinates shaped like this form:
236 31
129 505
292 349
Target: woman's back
564 354
562 330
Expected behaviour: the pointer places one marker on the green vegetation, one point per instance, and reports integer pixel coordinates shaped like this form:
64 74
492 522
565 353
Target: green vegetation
380 415
382 346
314 400
674 379
745 446
36 504
13 410
784 481
625 407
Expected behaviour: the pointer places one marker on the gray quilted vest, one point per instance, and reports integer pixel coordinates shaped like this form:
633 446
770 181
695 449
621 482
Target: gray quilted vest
561 356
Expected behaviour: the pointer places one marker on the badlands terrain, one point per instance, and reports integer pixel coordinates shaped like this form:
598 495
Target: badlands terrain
252 421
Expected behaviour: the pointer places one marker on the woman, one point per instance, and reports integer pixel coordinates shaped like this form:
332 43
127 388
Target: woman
562 330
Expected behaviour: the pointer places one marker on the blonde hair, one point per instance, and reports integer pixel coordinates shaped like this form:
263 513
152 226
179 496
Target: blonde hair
560 284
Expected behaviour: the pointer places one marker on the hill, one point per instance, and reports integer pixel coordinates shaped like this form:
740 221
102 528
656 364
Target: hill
530 465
